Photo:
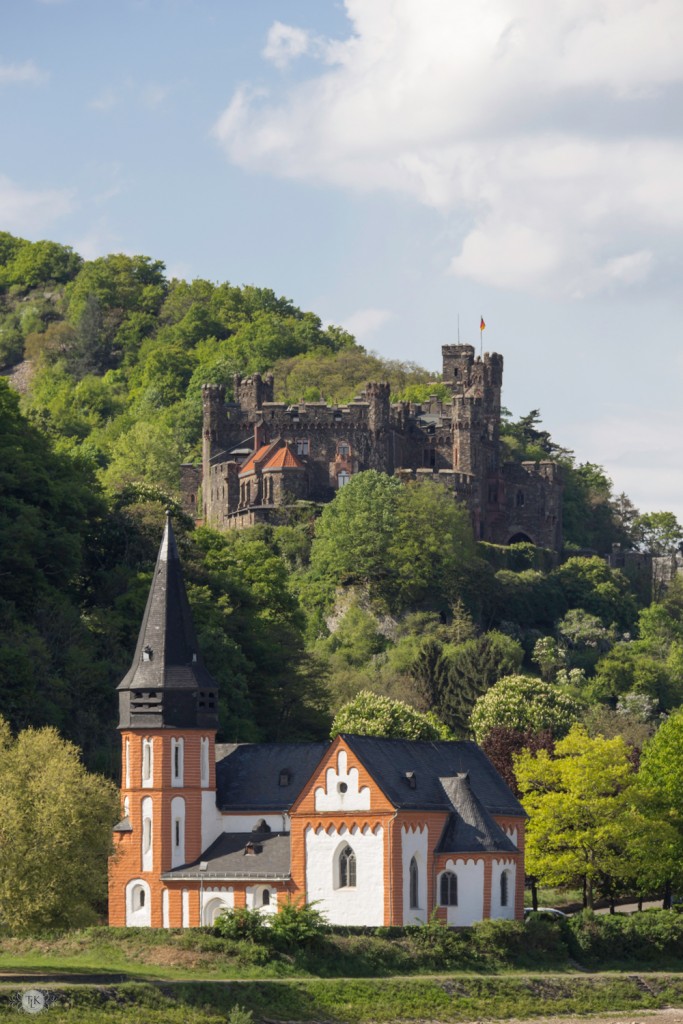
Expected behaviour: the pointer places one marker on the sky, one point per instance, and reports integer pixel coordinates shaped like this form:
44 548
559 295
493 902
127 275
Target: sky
399 167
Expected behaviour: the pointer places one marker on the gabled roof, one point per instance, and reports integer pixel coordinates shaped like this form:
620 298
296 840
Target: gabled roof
228 858
276 455
248 775
470 829
259 456
389 761
284 458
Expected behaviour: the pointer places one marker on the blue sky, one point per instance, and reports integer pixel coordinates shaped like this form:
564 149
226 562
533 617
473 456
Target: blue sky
391 165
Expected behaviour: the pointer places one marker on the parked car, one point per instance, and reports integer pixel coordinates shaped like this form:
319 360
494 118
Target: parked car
549 913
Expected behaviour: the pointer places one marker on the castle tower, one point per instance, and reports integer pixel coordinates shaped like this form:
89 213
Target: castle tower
379 422
213 408
168 718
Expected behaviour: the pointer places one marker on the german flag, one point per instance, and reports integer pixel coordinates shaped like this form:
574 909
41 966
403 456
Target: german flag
482 325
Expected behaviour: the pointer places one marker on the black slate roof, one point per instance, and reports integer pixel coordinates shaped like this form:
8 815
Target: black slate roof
248 775
167 683
227 858
470 829
389 761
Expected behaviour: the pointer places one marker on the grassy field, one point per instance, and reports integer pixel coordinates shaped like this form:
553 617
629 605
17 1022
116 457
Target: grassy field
495 970
356 1001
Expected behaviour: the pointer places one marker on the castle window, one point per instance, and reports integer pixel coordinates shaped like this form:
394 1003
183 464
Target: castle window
414 879
519 500
343 478
343 449
302 446
448 889
347 868
504 889
430 458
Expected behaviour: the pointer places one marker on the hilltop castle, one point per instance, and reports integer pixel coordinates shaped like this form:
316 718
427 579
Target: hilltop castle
260 455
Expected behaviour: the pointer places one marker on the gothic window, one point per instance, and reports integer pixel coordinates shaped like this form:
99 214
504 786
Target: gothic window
302 446
138 900
347 868
448 894
343 449
504 889
414 879
519 501
265 899
343 478
430 458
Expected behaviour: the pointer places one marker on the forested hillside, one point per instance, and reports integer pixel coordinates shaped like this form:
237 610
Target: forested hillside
383 590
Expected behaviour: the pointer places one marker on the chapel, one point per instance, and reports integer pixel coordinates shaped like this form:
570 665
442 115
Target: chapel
376 831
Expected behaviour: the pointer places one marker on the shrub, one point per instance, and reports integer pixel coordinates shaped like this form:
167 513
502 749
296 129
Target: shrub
296 924
438 946
242 925
653 937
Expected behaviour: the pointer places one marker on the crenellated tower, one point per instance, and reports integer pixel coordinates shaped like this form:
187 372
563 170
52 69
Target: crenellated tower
168 716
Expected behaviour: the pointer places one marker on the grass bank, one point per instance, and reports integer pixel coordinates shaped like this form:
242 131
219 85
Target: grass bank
358 1001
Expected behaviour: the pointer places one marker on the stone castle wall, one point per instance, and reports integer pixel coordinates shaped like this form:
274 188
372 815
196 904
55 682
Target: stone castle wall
456 442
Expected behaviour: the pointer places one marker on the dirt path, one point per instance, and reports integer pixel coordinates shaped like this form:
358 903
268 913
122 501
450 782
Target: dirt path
669 1016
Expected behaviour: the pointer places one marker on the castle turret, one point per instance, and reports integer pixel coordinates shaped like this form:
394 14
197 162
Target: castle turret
168 716
379 421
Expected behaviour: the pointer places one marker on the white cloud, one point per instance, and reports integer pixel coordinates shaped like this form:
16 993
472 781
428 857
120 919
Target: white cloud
535 124
27 72
32 210
285 43
366 322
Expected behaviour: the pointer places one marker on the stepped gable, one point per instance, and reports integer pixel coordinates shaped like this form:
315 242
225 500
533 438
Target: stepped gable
470 829
389 761
263 776
264 856
168 685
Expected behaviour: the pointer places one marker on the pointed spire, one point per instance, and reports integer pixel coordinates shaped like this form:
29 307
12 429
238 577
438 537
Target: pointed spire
167 685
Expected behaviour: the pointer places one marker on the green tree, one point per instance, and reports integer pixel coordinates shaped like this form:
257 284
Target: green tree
581 817
463 672
659 533
401 542
660 786
525 704
55 834
368 714
590 584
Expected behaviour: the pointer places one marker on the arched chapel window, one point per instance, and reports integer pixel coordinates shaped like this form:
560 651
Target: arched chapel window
347 868
449 889
343 478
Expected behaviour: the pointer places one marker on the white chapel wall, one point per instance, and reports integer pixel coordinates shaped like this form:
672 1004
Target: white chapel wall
497 910
362 904
414 843
470 906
